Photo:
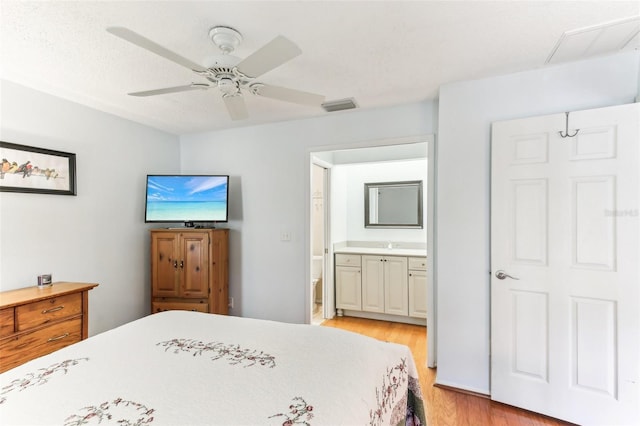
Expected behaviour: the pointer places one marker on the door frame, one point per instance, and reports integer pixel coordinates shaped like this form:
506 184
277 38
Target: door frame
315 154
328 292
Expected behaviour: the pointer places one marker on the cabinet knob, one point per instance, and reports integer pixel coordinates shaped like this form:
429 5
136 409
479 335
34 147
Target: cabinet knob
175 264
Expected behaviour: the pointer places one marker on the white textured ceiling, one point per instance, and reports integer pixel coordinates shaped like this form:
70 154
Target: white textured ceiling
381 53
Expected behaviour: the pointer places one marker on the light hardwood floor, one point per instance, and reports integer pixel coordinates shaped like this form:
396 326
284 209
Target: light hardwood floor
444 407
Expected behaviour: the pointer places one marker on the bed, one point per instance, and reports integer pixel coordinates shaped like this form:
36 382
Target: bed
189 368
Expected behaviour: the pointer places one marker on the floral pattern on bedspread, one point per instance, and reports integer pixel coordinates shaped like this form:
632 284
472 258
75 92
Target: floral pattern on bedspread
406 408
105 412
232 353
38 378
299 413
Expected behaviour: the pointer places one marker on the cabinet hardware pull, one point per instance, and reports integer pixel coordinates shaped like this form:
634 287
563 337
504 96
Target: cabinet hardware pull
182 264
175 264
53 339
57 308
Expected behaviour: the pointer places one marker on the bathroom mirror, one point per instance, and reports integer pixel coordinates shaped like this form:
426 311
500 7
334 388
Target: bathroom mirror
393 204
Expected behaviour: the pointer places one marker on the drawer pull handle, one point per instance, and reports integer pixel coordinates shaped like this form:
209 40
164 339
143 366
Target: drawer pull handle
53 339
57 308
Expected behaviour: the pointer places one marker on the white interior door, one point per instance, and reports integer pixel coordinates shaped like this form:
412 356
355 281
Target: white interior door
565 320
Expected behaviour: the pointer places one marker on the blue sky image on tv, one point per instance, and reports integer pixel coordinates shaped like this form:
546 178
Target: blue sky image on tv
186 198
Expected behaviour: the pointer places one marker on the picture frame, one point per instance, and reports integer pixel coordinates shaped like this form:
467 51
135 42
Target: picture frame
36 170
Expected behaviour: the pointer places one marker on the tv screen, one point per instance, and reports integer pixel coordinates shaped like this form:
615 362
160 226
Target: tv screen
187 198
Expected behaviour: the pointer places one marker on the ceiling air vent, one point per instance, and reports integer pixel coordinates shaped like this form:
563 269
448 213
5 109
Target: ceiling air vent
608 37
339 105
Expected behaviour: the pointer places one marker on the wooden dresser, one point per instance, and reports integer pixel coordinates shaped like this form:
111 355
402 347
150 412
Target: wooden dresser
37 321
190 270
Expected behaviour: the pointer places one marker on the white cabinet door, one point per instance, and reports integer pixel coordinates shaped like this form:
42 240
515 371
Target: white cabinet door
348 288
373 283
396 288
417 294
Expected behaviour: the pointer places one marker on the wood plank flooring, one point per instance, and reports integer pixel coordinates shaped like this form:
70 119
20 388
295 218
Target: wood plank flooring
444 407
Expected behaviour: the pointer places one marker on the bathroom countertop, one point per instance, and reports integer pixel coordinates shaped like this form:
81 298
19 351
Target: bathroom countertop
396 251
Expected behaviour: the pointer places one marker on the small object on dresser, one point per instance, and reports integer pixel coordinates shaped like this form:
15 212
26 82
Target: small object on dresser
44 281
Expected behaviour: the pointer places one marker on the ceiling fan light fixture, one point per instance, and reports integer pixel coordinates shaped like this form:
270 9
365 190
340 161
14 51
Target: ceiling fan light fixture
228 86
226 38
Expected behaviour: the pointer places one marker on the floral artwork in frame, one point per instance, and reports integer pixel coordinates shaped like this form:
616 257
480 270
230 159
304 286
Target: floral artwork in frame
36 170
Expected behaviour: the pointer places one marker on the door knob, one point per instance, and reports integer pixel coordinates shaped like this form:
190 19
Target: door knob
501 275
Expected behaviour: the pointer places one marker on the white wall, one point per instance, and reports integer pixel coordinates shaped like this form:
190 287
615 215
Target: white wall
466 110
99 235
269 168
357 175
338 205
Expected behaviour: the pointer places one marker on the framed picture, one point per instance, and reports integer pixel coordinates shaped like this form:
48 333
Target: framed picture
36 170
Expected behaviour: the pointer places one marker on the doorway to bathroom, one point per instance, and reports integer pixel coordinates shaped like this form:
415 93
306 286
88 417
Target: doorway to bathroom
343 220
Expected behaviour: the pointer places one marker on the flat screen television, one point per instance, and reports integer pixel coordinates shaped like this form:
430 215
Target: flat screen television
187 199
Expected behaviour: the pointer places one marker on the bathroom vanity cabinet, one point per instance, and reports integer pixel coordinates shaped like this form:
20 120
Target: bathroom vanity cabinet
348 282
418 287
381 286
385 284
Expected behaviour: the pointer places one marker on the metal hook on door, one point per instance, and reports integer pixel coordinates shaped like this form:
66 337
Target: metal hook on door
566 131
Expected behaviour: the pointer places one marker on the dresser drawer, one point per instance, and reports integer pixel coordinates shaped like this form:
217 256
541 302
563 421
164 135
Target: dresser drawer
45 311
347 259
179 306
25 347
6 322
419 263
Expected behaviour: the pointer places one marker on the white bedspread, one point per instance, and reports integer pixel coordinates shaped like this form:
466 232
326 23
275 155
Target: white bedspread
188 368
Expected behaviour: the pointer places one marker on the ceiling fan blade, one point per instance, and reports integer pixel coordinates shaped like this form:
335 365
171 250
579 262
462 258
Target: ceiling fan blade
287 95
236 107
271 55
170 90
145 43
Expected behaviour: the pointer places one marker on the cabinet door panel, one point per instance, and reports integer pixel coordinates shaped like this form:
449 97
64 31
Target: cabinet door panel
194 265
373 283
418 294
396 289
348 288
164 264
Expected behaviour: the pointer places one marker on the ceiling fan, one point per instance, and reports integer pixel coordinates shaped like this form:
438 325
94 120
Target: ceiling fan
230 74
